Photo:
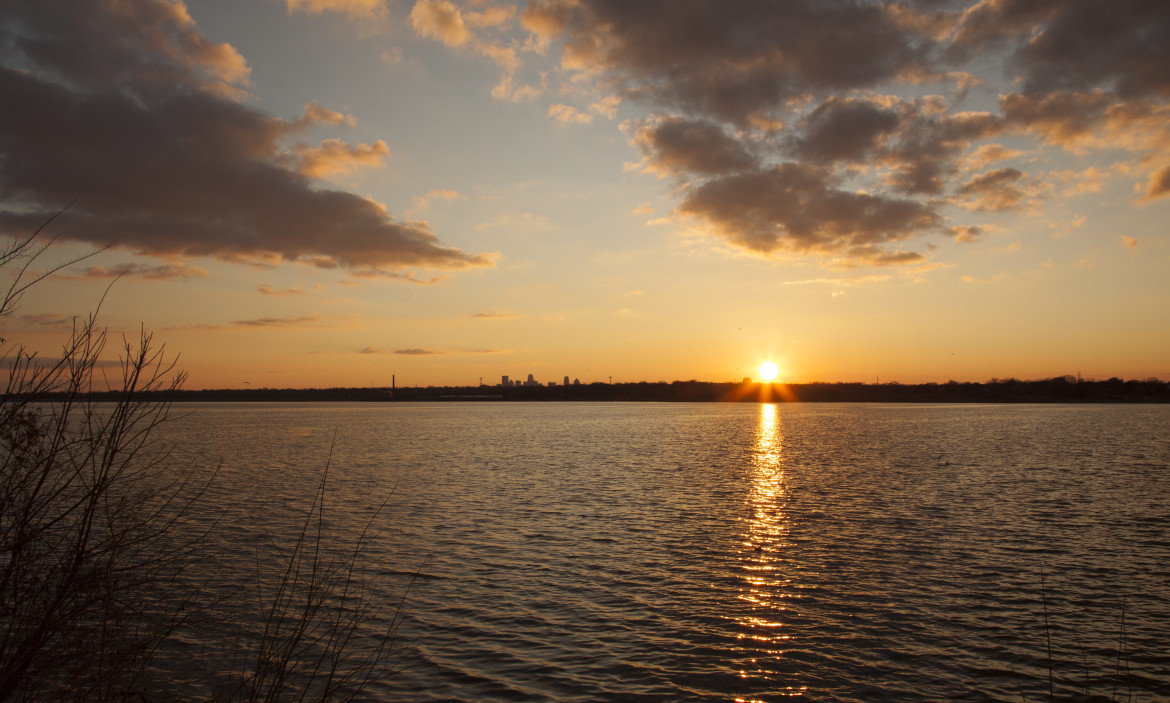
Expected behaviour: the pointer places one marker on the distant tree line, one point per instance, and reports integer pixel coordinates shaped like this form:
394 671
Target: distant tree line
1061 389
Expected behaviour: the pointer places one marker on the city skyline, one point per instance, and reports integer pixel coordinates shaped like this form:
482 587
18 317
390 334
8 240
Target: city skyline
331 193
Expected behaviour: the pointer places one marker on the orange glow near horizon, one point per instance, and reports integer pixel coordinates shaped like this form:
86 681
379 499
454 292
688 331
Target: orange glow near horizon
768 371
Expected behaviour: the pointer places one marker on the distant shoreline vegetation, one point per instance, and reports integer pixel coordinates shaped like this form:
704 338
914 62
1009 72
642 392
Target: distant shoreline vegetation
1062 389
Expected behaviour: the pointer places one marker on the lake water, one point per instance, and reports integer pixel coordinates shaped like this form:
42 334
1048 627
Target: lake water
735 552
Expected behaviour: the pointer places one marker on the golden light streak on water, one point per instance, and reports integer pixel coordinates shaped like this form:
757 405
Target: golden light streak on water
764 542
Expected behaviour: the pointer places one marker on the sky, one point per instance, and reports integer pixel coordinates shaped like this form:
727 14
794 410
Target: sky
322 193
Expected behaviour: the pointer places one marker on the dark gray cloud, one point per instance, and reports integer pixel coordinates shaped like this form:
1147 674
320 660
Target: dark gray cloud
127 110
777 121
1123 47
415 351
844 129
676 145
731 61
797 209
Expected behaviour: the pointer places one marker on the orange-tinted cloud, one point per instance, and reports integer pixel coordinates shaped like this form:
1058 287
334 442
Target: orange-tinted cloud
334 157
440 20
1159 184
966 234
136 123
316 114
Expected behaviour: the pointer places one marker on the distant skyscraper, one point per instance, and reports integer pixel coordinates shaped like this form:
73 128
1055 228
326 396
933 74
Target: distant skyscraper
504 381
566 381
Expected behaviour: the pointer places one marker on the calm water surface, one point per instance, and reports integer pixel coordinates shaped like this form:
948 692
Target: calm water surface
726 552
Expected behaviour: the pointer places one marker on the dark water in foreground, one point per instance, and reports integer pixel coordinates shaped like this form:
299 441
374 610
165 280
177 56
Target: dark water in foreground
730 552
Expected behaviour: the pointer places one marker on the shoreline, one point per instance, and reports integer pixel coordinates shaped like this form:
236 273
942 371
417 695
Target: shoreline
1053 390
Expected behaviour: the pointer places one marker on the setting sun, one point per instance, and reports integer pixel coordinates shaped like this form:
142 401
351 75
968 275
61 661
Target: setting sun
769 371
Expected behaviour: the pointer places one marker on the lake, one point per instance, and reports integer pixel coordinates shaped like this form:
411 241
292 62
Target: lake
732 552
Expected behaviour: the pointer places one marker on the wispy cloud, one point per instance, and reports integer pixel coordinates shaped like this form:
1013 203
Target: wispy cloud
567 114
357 9
163 272
292 290
50 320
264 322
493 315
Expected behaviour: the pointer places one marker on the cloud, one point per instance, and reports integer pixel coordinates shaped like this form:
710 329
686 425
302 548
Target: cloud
1120 46
407 277
52 320
439 20
566 114
774 123
163 272
431 352
313 321
356 9
269 290
481 33
987 155
278 321
675 145
607 106
334 157
644 209
421 203
1129 242
496 16
845 129
493 315
315 115
797 210
728 61
129 111
994 191
1158 185
966 234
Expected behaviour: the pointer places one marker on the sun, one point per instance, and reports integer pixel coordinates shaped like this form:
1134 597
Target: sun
768 371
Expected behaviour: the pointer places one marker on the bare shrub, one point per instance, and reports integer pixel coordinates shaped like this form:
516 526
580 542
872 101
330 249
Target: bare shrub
98 539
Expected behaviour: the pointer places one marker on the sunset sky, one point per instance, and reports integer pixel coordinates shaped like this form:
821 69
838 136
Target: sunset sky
310 193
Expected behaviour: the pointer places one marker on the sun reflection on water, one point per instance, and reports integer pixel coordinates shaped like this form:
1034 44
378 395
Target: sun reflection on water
768 523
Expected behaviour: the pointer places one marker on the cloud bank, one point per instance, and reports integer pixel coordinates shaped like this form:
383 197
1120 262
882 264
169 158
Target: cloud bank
779 125
124 108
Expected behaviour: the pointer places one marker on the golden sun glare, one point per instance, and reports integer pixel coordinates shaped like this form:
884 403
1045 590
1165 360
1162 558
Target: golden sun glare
768 371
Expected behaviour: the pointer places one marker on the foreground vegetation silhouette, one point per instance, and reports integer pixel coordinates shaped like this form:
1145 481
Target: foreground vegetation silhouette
103 565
